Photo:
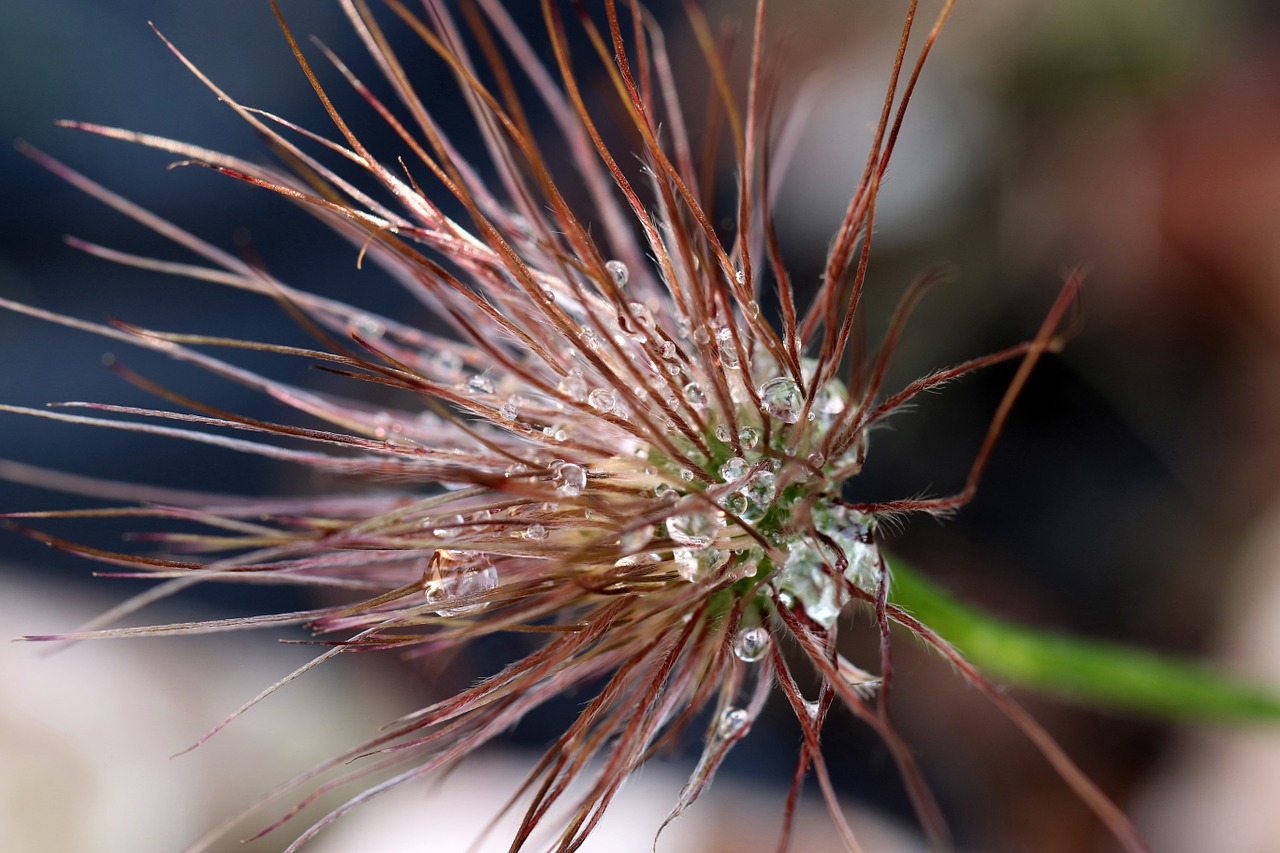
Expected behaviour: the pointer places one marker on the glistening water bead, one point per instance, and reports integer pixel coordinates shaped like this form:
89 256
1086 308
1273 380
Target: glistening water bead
751 644
617 269
733 721
570 480
449 575
781 398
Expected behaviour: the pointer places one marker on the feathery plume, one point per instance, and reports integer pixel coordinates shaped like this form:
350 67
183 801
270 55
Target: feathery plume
630 445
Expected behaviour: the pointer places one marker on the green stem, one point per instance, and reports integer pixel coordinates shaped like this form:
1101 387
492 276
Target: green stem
1095 673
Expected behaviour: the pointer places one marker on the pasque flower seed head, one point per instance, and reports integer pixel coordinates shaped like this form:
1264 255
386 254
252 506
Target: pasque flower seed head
630 445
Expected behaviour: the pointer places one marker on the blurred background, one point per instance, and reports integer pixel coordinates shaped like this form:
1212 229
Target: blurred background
1133 496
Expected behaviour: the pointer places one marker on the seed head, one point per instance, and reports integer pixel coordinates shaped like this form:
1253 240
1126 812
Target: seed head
630 444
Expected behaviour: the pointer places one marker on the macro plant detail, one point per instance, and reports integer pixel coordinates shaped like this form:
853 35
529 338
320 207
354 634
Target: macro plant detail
632 443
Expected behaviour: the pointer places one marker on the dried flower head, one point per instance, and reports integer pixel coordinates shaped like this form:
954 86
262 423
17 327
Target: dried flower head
617 450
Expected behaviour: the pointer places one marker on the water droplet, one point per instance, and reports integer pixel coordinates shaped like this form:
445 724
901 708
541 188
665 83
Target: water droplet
701 336
364 326
722 433
590 340
811 708
751 644
570 480
516 468
740 276
804 576
637 560
634 540
668 350
830 399
447 361
573 386
749 436
817 459
734 469
759 491
664 492
454 574
695 564
733 723
447 529
781 398
729 355
736 503
695 396
508 412
853 532
639 320
696 528
480 384
534 532
602 400
618 270
686 475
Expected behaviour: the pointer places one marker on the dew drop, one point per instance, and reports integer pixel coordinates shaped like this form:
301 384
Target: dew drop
701 336
734 469
642 316
443 532
695 564
733 722
695 397
454 574
740 276
534 533
781 398
751 644
759 491
817 459
508 412
480 384
722 433
668 350
602 400
570 480
804 577
686 475
573 386
749 436
729 355
696 529
447 361
366 327
830 399
618 270
634 540
736 503
811 708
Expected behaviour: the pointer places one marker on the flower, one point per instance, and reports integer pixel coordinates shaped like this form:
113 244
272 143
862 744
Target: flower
617 449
